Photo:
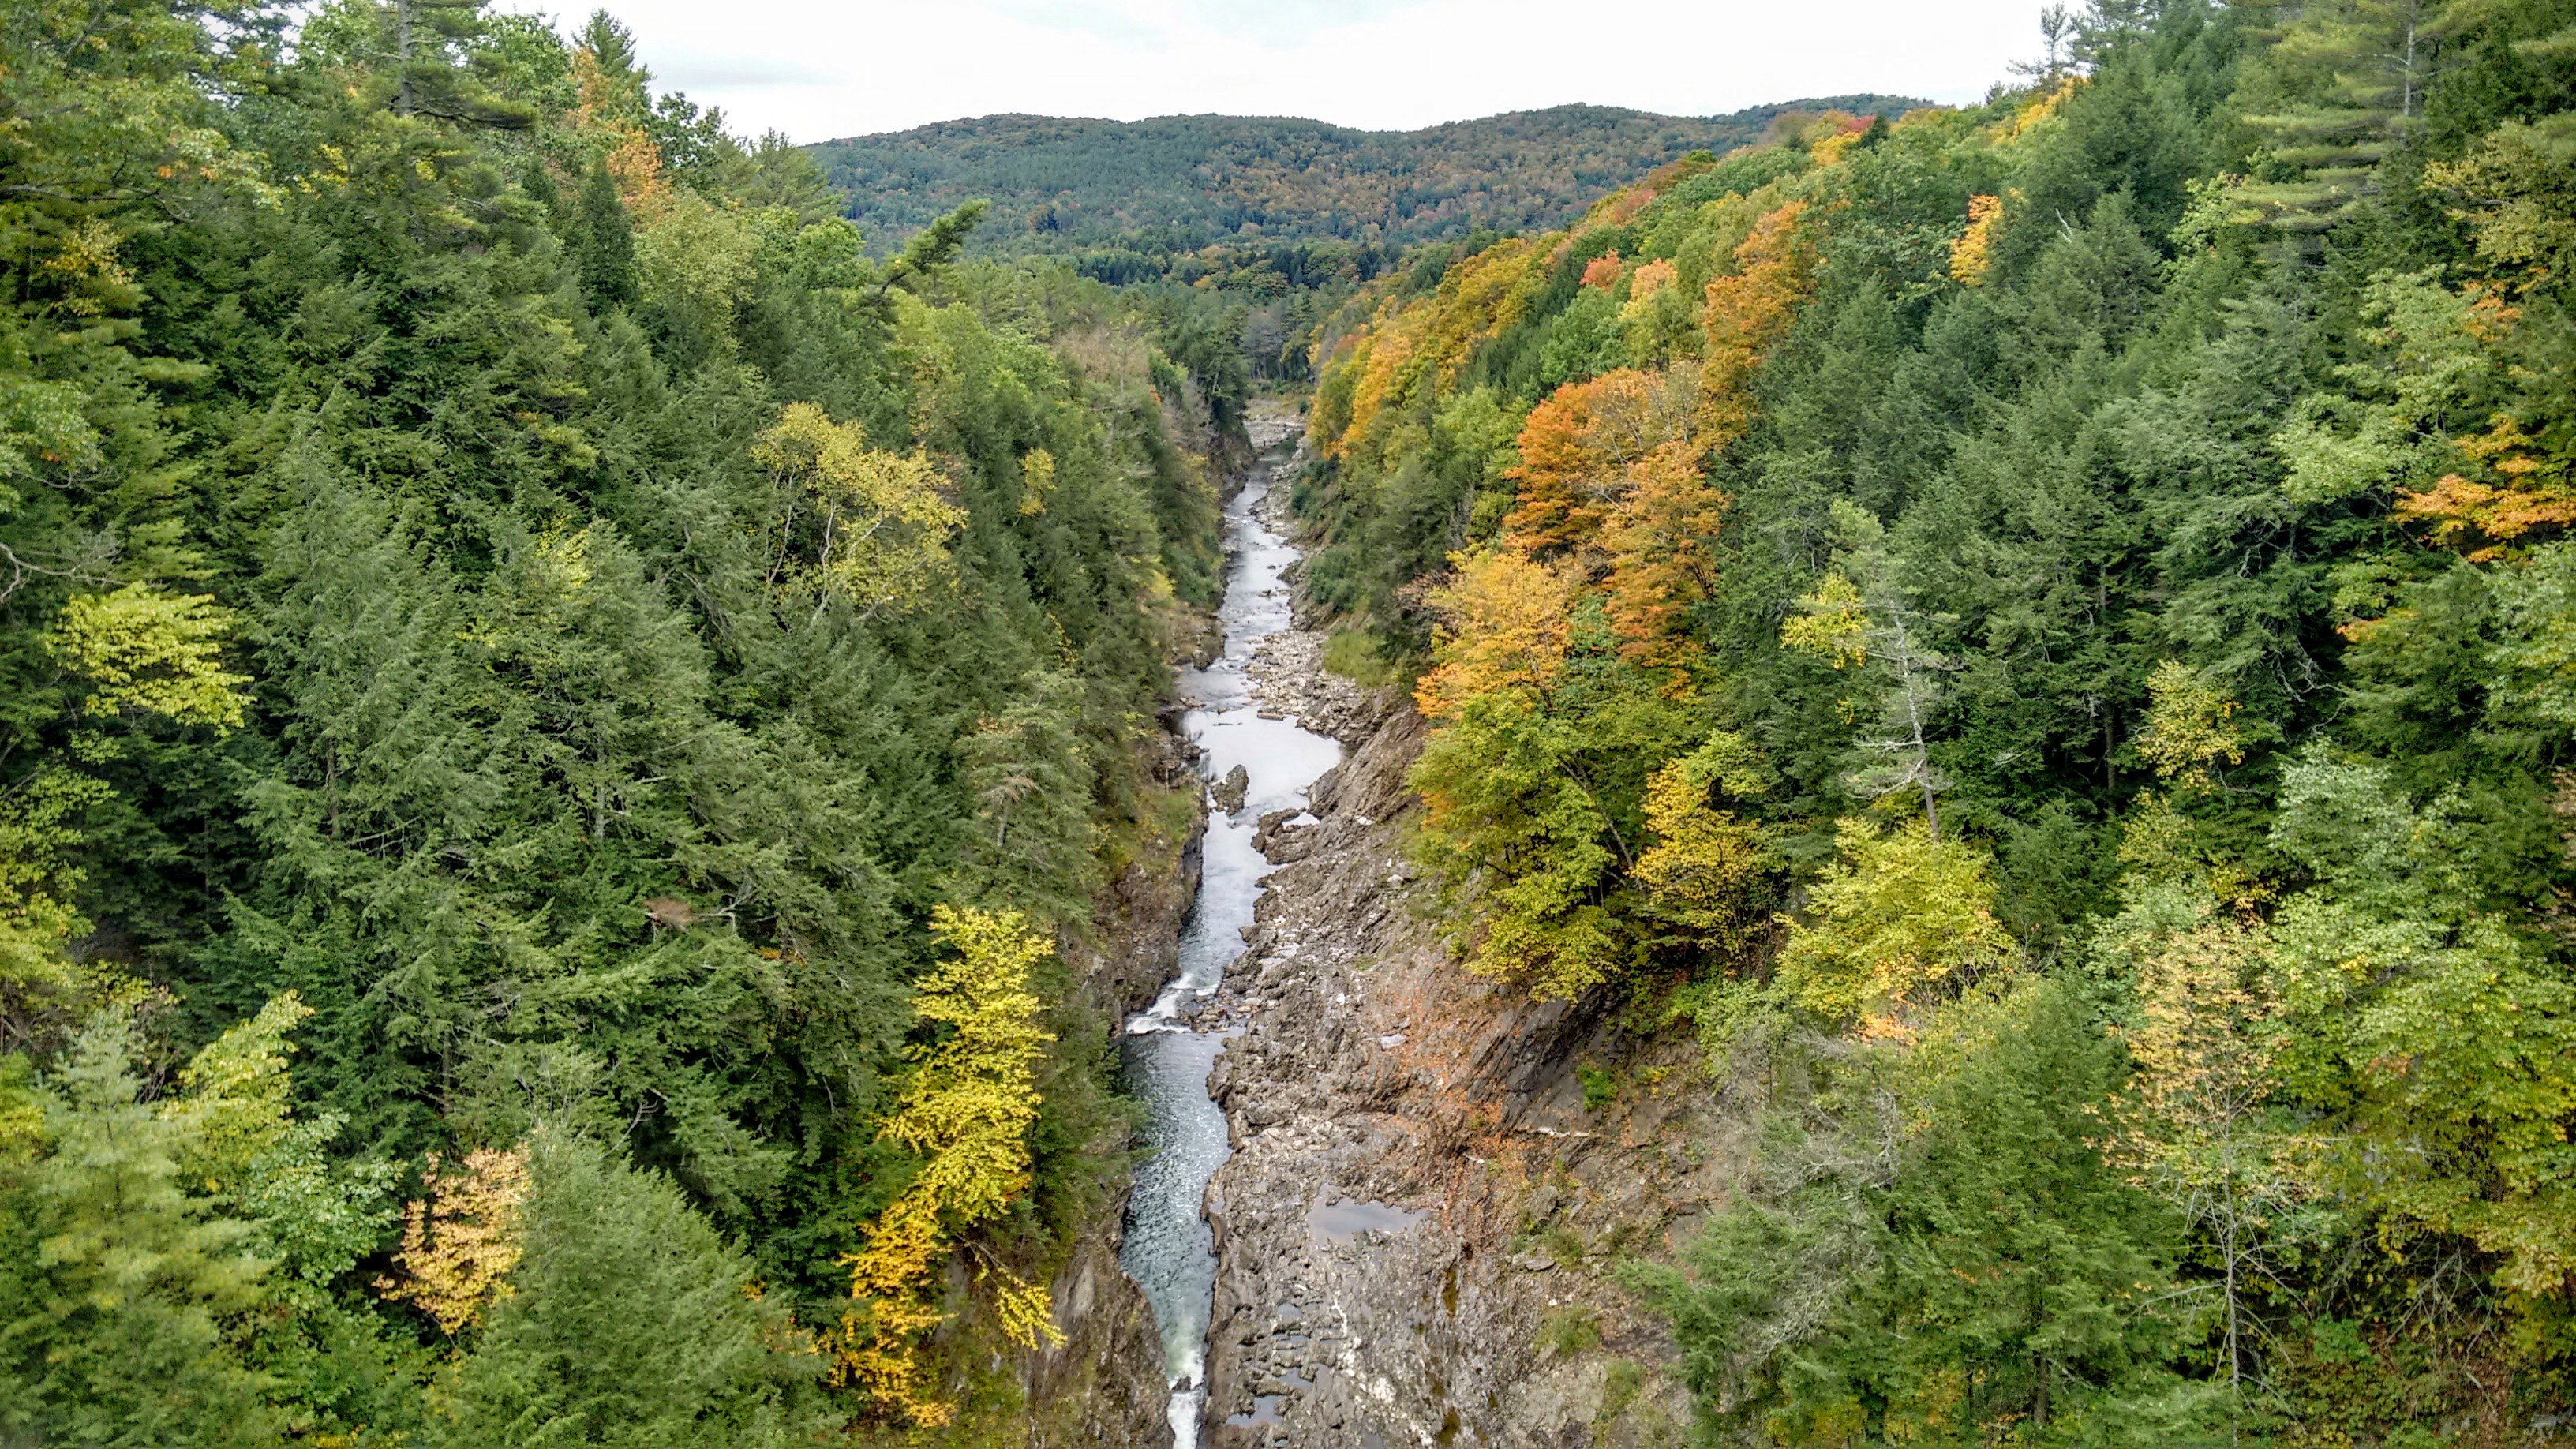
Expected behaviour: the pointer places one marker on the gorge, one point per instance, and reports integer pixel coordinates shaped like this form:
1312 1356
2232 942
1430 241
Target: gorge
1859 774
1262 762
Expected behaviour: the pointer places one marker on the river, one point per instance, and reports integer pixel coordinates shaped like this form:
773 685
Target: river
1168 1248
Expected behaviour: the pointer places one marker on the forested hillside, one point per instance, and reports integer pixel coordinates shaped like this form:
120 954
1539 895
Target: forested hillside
1178 183
554 718
2042 632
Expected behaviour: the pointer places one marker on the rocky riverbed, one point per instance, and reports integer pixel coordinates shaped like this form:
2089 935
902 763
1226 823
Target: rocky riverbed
1431 1174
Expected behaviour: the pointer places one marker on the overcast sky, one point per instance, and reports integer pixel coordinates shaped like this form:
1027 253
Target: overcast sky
818 69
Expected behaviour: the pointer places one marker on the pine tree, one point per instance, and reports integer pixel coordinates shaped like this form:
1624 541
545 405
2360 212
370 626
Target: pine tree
629 1322
118 1284
2348 82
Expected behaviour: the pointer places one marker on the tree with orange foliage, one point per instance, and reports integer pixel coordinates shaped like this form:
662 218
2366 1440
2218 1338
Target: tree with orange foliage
2534 492
1651 278
1364 378
1575 450
1747 314
1657 541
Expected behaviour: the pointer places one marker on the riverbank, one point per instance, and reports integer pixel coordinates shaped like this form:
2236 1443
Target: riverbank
1429 1174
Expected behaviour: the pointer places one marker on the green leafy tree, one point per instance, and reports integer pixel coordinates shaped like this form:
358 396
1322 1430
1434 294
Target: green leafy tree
1899 918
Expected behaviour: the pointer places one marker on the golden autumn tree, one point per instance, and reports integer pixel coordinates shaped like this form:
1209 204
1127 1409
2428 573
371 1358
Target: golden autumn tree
2189 727
461 1241
2194 1123
1507 631
1364 375
966 1109
1383 363
1748 313
1972 255
1704 875
859 523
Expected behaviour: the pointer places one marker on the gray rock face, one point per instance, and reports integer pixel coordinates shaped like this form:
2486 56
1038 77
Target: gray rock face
1416 1231
1105 1384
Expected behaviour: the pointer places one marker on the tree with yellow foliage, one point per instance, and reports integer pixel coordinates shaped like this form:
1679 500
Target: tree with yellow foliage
144 648
2188 729
1972 255
2192 1123
1900 916
461 1241
967 1110
145 652
1507 631
1705 877
858 523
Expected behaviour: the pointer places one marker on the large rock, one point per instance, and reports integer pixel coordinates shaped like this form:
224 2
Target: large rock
1229 790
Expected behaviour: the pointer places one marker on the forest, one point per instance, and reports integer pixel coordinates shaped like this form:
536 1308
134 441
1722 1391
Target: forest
1177 183
1272 222
554 718
2041 632
577 690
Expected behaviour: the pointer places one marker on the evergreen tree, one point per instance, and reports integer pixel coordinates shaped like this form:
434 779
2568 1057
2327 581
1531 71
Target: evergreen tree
629 1322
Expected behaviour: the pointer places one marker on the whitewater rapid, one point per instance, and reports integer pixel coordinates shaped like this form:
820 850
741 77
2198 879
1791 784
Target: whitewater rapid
1168 1247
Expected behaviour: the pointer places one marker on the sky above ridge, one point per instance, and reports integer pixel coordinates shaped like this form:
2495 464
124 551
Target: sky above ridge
818 69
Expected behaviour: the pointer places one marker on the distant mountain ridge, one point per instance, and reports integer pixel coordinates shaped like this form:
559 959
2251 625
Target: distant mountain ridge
1061 183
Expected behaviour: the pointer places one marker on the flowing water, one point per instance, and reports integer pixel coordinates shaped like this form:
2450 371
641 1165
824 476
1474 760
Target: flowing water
1168 1248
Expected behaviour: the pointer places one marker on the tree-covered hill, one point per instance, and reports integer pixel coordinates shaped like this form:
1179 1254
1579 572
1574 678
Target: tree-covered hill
1181 182
2047 631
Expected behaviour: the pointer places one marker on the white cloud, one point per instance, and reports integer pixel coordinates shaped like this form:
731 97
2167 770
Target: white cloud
817 70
